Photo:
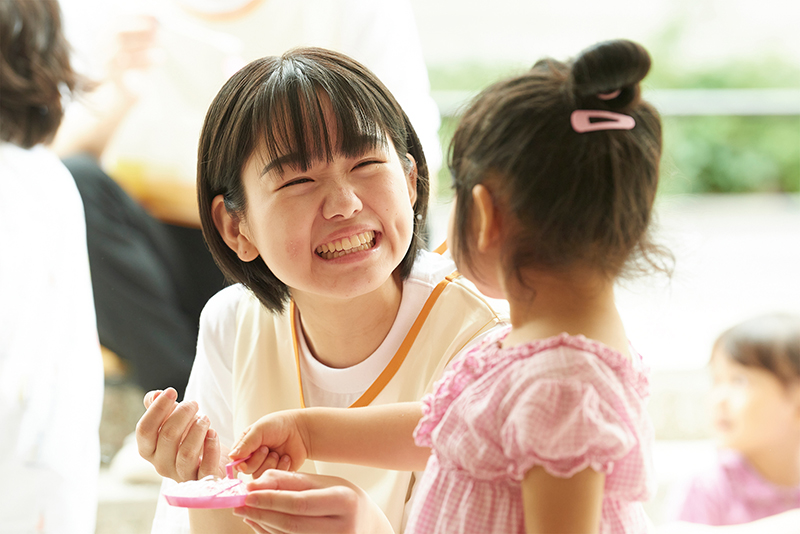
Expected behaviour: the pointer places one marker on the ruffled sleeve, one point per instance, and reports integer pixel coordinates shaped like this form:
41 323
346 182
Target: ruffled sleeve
434 405
565 426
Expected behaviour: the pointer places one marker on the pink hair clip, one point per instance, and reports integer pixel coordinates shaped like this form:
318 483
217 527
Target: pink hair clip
581 120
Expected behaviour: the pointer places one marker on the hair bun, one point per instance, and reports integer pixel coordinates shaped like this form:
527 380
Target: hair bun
605 68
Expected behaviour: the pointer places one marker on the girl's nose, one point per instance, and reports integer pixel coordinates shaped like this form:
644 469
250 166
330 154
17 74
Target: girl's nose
719 396
341 200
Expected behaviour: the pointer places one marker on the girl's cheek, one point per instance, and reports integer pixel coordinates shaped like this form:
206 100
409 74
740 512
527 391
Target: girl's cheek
293 249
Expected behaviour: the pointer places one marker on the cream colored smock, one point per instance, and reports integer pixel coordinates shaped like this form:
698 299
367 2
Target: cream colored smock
247 366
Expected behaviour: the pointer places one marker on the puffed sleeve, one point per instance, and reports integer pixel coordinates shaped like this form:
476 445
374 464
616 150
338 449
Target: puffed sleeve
563 425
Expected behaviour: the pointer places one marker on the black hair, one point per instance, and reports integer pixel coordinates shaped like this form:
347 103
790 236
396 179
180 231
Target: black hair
574 198
770 341
35 71
275 105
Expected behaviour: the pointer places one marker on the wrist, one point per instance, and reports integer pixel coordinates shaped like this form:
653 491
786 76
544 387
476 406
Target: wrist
303 422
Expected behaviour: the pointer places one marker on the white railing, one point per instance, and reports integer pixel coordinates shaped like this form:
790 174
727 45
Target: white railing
679 102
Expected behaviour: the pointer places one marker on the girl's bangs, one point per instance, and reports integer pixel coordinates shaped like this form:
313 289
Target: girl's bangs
302 122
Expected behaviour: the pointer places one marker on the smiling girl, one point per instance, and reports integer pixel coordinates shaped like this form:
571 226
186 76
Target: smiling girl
313 192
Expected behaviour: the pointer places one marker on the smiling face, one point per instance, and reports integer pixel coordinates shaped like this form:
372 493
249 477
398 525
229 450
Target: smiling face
339 228
752 409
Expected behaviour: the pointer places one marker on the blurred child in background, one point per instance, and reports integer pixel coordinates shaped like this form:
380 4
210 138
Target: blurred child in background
756 409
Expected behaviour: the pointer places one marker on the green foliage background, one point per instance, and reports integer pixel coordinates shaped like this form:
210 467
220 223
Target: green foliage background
702 154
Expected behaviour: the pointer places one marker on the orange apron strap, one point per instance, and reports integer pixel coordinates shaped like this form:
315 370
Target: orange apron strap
394 365
296 352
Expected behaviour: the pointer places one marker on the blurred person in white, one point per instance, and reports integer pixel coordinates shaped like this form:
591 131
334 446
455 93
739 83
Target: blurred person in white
51 373
755 395
169 58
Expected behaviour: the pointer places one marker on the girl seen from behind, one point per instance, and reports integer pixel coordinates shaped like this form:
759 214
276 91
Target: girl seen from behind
542 427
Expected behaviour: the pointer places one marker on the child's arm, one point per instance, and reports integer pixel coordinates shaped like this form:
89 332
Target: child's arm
376 436
556 505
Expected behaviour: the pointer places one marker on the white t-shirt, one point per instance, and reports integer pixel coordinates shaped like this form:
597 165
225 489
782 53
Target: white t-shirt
211 378
51 372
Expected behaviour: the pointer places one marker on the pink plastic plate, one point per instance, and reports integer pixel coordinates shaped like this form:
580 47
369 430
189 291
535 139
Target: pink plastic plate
210 492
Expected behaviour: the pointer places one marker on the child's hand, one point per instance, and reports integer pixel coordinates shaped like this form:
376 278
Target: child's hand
276 440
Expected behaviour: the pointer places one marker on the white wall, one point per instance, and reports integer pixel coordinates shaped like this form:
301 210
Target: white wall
523 30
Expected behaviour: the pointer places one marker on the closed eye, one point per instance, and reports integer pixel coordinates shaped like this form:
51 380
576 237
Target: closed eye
295 182
367 163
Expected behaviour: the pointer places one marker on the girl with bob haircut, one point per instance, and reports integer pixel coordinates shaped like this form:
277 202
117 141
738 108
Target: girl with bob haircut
313 192
542 426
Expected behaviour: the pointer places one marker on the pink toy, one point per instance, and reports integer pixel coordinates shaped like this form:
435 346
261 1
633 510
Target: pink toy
210 492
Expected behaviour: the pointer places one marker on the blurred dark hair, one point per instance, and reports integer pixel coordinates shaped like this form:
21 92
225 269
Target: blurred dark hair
35 71
771 342
575 198
275 105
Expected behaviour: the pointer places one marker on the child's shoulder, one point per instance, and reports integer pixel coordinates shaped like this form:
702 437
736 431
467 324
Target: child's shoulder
565 350
225 302
562 361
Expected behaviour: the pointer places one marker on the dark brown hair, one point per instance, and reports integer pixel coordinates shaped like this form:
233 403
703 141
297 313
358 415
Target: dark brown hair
276 104
770 341
575 198
34 71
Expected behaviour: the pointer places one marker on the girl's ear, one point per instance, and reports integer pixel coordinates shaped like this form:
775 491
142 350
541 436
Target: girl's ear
487 218
230 228
412 180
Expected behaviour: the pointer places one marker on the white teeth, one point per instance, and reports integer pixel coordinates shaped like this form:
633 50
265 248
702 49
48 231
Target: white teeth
347 245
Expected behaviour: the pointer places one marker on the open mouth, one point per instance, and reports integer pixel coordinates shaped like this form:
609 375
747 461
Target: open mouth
347 245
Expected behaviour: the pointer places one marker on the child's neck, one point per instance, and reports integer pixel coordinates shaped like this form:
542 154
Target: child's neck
780 463
341 333
576 303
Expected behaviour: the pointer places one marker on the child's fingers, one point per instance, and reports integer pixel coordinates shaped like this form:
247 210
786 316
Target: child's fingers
270 462
254 461
246 445
285 463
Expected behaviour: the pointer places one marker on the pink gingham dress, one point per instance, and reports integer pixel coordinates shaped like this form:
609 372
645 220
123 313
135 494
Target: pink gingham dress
564 403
